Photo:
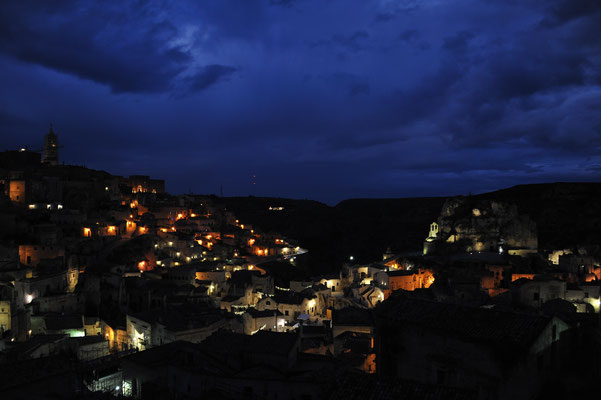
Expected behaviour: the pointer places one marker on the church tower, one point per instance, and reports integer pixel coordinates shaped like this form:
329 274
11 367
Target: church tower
50 152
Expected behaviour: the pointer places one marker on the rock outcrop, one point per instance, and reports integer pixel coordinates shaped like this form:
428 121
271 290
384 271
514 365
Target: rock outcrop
486 225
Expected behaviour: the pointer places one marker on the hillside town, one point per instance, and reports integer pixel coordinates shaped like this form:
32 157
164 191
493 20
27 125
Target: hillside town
110 287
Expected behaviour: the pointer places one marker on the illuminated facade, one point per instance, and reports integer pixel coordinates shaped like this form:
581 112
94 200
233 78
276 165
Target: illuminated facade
5 317
31 255
18 191
143 184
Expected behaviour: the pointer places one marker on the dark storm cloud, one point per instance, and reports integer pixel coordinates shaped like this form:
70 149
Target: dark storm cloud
355 85
409 35
390 10
352 42
527 95
384 17
344 43
358 88
424 99
285 3
443 96
242 20
125 46
562 11
208 76
458 41
594 168
73 42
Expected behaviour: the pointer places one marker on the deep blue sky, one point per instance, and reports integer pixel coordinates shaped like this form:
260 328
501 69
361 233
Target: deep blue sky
321 99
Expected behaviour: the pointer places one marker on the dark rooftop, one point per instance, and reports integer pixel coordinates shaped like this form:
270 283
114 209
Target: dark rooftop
353 316
160 355
401 273
261 314
470 323
357 386
181 318
59 322
262 342
85 340
289 297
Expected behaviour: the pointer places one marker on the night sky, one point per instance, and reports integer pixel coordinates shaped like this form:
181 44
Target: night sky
320 99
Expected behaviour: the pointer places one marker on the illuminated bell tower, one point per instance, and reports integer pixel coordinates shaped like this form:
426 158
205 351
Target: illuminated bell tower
50 152
430 242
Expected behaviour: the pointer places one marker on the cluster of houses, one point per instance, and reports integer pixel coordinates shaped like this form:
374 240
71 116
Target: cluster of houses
110 286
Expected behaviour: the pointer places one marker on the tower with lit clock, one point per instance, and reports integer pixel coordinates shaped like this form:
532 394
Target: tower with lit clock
50 152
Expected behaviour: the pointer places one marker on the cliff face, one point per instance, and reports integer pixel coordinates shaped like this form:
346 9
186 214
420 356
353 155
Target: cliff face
484 225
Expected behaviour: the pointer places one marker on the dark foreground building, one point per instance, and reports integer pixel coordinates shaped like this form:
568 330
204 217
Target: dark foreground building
499 355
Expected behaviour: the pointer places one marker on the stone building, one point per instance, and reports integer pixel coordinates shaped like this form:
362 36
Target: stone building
33 254
535 292
157 327
144 184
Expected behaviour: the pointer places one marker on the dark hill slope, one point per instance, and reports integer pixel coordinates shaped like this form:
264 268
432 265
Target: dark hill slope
567 215
363 228
369 226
